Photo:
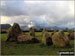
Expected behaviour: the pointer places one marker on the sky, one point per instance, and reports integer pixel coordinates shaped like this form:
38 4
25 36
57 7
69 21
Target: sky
38 13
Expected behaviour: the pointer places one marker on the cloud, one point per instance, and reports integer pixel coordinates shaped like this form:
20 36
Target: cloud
53 13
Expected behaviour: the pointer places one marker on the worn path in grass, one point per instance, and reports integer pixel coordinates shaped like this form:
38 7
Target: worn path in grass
12 48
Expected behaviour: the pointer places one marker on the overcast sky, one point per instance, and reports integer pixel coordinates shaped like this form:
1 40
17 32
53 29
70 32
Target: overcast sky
46 13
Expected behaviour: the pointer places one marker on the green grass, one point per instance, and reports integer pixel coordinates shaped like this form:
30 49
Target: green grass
12 48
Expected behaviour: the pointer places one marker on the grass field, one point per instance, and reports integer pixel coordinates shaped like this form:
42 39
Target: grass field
12 48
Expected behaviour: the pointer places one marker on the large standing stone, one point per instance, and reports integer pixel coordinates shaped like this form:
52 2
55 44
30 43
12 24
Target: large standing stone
60 39
24 38
27 38
46 39
13 32
16 34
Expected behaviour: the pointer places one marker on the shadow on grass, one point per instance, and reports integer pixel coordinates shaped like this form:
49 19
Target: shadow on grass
27 42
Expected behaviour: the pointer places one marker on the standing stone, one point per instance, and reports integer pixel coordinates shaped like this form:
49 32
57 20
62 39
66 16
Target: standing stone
71 34
43 31
46 39
60 39
53 33
32 32
13 32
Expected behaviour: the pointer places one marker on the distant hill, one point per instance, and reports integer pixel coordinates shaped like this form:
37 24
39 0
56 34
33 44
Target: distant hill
49 28
5 26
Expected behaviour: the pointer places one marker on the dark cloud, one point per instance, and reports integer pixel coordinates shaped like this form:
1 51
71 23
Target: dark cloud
39 12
